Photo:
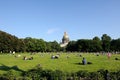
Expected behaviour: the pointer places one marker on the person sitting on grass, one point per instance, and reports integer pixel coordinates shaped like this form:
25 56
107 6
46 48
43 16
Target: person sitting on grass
84 62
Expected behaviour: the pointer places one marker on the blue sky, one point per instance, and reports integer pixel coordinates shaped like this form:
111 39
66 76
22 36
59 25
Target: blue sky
49 19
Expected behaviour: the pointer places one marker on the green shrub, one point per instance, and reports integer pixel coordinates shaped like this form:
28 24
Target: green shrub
3 77
82 73
40 74
57 75
115 75
34 74
96 76
46 74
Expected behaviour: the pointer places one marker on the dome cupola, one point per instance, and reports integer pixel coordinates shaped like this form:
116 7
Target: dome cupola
65 38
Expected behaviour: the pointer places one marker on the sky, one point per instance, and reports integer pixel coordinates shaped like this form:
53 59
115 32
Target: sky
49 19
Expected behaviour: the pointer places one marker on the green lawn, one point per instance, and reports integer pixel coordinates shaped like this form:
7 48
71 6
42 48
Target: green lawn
9 62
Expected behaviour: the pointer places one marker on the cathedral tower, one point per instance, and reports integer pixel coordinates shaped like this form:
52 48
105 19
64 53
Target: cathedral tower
65 40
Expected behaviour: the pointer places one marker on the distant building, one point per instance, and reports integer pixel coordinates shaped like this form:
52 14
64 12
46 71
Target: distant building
65 40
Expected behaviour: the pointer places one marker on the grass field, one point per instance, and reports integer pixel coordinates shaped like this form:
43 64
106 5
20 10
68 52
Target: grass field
71 64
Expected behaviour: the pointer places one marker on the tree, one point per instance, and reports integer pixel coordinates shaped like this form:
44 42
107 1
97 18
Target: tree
83 45
106 42
55 46
22 47
40 45
97 44
29 44
115 45
71 46
35 45
48 47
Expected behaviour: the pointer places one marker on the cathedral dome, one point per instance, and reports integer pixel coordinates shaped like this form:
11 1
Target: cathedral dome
65 38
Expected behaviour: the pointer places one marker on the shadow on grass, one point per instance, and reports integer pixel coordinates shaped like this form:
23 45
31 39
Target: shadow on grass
7 68
78 63
82 63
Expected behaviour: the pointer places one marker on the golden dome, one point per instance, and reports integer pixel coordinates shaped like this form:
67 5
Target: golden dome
65 35
65 38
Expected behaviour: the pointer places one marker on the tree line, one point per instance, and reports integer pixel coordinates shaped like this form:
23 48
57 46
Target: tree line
105 44
10 42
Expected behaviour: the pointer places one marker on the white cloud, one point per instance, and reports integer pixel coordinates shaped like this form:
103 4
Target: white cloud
51 31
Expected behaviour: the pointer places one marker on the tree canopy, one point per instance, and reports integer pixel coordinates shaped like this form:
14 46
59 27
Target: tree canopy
10 42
